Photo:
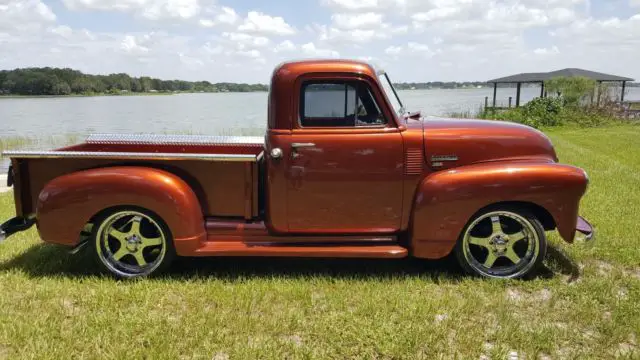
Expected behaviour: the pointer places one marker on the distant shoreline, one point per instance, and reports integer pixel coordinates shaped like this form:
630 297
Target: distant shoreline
17 96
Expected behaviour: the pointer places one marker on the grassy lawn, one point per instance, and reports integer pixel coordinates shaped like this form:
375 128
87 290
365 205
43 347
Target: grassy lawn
585 304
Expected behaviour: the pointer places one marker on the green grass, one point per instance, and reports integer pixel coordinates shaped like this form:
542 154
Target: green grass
584 304
48 142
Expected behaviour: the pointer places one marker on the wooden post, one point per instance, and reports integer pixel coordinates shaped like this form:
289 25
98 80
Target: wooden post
486 102
518 94
495 89
542 89
624 85
509 101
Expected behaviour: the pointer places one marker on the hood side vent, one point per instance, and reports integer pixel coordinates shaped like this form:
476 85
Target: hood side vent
413 162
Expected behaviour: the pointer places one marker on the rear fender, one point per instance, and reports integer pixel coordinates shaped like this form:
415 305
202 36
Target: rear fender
445 201
68 202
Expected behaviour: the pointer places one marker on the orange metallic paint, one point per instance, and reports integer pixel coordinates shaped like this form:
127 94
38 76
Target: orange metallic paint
66 203
447 200
474 141
355 171
220 186
356 185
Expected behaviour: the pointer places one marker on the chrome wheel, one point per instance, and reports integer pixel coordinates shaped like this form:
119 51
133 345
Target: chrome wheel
502 244
131 243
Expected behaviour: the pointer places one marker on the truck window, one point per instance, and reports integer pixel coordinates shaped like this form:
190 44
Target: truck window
339 104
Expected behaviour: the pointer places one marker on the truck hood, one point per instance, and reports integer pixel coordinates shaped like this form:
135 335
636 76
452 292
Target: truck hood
455 142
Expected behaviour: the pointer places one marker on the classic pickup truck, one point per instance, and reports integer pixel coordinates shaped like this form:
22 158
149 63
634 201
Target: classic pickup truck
343 171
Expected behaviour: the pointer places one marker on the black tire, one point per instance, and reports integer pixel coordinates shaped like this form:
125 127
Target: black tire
131 242
485 251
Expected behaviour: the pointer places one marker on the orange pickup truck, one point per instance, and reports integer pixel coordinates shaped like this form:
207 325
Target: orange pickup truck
343 171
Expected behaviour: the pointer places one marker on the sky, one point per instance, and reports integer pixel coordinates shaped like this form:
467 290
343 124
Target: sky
243 40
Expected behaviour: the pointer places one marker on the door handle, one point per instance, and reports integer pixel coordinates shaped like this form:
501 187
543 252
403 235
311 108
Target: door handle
301 145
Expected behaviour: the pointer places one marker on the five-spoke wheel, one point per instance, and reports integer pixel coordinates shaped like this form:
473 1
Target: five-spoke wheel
132 243
504 243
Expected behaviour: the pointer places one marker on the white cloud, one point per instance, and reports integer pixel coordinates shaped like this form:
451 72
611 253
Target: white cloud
206 23
213 50
417 47
250 53
436 14
130 44
215 16
356 21
547 51
262 23
149 9
420 40
243 40
310 49
62 30
352 4
393 50
285 46
24 15
227 16
167 9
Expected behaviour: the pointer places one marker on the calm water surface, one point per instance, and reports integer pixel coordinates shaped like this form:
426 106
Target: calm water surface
217 113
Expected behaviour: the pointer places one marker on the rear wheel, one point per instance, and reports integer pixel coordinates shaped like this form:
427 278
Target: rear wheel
504 243
132 243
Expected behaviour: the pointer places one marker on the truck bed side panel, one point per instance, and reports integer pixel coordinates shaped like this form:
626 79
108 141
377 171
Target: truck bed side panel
220 186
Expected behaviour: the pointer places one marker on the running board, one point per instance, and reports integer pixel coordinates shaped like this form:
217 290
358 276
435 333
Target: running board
234 248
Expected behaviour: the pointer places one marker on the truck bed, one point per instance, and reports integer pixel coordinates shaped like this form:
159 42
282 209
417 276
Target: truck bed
222 170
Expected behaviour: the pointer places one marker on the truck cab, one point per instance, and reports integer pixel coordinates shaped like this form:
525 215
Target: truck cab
342 171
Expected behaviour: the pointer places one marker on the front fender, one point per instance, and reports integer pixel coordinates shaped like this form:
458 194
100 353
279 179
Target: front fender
445 201
68 202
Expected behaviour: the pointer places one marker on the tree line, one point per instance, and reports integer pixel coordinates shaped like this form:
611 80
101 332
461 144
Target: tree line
438 85
56 81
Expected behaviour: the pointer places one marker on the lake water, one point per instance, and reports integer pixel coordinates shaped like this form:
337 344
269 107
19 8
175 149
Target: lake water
214 113
211 114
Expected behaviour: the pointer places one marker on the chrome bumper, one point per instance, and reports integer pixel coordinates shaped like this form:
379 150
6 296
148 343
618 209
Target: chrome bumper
15 225
585 233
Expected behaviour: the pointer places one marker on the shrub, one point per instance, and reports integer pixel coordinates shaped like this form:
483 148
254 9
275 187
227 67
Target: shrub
546 112
536 113
572 90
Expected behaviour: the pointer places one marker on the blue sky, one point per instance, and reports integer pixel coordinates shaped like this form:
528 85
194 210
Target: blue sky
414 40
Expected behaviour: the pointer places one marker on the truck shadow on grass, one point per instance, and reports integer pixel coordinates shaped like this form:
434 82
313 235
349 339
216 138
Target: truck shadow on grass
44 260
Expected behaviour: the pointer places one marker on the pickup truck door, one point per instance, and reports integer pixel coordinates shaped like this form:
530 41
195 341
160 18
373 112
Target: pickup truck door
344 161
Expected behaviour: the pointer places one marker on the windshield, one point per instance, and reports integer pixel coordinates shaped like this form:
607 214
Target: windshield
391 94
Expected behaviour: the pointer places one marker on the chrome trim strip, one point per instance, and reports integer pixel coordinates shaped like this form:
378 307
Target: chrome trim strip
128 155
158 139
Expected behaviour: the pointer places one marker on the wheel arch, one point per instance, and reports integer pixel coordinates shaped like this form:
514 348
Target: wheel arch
543 215
69 202
445 201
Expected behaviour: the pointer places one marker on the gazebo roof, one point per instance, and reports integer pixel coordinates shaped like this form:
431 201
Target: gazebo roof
540 77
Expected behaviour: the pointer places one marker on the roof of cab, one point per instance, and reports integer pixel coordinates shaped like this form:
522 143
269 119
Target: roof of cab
298 67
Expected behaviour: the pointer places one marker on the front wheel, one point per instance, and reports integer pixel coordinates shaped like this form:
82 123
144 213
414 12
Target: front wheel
132 243
507 244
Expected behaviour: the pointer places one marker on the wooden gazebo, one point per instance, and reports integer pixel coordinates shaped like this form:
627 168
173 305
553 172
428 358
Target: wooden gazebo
525 78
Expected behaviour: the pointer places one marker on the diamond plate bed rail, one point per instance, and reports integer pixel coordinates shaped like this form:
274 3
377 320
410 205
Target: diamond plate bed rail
129 155
156 139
